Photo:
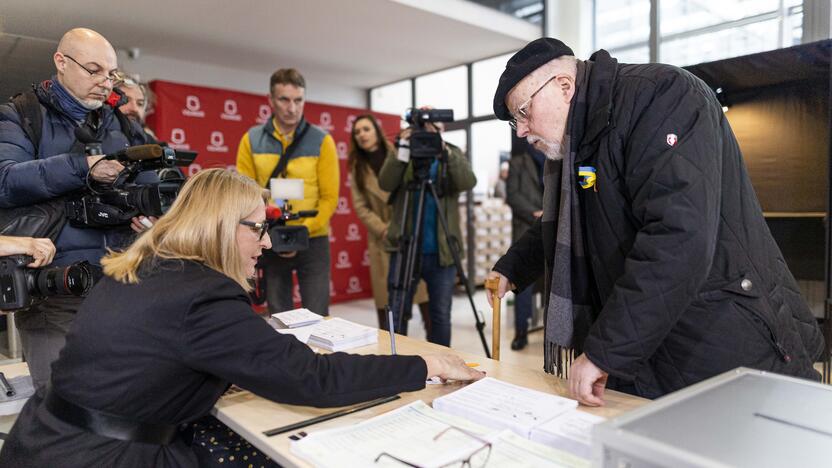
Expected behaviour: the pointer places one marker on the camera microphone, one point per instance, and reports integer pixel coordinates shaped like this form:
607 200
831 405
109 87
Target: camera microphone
273 213
138 153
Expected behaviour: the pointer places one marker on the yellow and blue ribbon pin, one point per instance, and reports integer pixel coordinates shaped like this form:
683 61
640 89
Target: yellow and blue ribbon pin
586 176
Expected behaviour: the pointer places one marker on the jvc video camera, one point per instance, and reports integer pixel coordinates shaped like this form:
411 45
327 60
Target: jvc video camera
288 238
115 204
423 144
20 286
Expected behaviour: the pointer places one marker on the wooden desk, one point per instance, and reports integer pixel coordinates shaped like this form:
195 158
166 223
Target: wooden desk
250 415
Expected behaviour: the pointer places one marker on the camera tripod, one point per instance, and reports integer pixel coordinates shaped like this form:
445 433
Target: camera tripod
407 267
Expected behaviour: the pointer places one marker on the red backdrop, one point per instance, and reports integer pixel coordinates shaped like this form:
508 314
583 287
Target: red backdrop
211 121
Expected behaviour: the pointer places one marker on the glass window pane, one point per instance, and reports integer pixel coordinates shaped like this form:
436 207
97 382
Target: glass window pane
488 140
393 98
486 74
632 55
733 42
457 137
529 10
685 15
793 25
621 23
446 89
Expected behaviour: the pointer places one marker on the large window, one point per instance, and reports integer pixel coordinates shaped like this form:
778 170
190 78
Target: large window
695 31
393 98
529 10
446 89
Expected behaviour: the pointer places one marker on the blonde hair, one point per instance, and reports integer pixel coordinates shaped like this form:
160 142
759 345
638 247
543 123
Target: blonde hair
201 225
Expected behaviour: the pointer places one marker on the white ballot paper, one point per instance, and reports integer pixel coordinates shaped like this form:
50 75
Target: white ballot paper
409 432
501 405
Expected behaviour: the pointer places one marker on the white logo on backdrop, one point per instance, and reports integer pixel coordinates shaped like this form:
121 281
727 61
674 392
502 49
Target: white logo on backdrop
366 260
343 150
350 121
193 169
331 289
343 260
332 236
177 139
192 107
263 113
354 285
343 206
229 111
217 144
326 121
353 234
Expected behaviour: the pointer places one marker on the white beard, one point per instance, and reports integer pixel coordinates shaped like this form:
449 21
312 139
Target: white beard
91 104
552 150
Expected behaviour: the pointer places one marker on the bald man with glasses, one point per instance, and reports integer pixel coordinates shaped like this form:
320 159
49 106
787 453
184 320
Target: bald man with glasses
44 162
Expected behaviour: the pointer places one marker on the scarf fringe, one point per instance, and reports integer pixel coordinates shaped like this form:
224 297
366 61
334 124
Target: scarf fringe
558 360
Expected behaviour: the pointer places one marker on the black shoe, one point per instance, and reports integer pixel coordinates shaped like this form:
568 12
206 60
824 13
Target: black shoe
520 341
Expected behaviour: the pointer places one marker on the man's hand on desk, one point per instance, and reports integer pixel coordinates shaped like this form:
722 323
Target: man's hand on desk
587 382
450 367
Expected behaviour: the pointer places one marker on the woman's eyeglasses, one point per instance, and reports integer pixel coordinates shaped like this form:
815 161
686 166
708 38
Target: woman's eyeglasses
259 228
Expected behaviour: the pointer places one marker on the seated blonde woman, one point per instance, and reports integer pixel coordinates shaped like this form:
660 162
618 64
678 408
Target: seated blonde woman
161 337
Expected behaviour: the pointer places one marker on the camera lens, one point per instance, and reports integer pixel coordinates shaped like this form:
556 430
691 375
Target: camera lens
73 280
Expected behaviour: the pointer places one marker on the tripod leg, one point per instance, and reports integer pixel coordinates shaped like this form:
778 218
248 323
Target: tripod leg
405 268
453 244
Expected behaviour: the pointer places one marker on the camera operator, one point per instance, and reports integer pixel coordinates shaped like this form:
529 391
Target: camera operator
42 251
451 174
288 146
42 160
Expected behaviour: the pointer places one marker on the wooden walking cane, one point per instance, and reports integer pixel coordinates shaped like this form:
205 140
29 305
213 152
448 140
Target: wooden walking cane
492 285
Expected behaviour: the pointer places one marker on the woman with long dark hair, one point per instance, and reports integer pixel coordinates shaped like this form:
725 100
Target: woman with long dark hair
368 150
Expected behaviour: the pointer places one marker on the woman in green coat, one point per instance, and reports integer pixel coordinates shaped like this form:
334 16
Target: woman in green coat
368 150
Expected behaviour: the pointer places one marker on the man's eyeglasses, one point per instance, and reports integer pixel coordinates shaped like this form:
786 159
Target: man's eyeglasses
98 75
476 459
259 228
522 114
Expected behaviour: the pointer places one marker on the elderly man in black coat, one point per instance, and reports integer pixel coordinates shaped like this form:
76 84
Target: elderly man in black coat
659 267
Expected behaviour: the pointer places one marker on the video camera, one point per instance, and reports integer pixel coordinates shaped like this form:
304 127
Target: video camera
423 144
109 205
288 238
21 286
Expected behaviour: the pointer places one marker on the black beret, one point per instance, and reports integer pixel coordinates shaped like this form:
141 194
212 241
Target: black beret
528 59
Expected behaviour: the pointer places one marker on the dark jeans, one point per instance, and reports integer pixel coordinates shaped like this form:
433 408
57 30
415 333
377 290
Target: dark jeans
312 266
523 309
440 282
43 330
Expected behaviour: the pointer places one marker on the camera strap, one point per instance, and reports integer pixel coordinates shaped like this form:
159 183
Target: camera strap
300 132
28 109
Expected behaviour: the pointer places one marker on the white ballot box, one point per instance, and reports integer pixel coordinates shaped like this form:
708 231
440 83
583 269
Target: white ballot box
742 418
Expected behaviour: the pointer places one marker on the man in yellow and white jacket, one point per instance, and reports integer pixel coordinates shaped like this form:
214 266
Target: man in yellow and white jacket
312 158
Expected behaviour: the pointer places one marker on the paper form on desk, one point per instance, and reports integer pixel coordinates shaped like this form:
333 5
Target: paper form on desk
408 433
501 405
570 431
302 333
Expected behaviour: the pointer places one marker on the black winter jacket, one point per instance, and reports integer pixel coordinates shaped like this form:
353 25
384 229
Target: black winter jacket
689 280
59 169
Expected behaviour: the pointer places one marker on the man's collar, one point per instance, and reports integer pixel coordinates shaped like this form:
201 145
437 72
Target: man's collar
602 75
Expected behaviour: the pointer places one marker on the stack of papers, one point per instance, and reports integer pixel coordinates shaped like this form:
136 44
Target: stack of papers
297 318
501 405
337 334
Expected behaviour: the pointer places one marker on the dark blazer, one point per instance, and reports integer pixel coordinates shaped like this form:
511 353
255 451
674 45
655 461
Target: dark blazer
164 350
689 281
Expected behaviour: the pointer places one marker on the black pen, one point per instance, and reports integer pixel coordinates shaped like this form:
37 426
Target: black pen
7 387
327 417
